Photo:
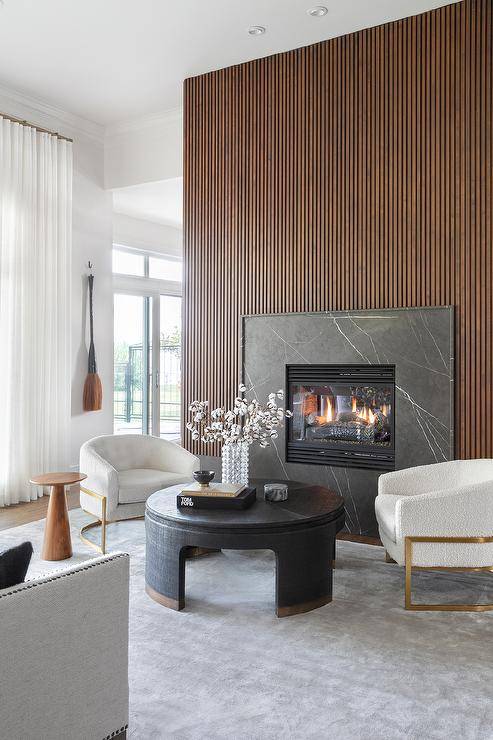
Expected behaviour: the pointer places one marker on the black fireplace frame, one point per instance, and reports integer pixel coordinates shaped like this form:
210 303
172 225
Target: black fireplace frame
343 454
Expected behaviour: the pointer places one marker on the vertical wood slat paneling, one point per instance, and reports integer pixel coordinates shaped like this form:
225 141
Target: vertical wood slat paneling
352 174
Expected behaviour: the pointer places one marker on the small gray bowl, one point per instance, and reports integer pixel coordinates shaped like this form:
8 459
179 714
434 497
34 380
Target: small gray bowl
204 477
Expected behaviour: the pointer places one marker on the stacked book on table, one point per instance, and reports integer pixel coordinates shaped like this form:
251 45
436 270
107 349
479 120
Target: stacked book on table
216 496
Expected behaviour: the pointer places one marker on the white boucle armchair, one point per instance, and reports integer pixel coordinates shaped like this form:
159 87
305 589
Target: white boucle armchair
438 516
123 471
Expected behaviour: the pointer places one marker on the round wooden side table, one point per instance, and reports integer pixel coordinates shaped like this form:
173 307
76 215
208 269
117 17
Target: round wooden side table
57 544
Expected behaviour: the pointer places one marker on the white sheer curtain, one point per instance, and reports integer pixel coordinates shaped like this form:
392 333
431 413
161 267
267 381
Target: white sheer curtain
35 249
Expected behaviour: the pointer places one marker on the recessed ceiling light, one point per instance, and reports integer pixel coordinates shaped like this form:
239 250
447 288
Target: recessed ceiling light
256 30
318 11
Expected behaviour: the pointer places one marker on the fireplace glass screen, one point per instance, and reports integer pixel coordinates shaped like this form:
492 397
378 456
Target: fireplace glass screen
344 413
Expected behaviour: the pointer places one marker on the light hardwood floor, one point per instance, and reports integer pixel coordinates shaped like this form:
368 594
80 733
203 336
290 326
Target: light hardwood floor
31 511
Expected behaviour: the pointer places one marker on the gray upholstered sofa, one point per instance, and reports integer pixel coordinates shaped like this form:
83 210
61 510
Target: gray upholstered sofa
64 653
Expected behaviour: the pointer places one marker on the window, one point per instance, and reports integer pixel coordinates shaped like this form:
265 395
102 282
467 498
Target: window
129 379
137 263
164 269
128 263
147 344
170 366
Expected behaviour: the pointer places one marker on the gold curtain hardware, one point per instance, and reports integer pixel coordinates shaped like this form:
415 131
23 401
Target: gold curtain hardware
36 128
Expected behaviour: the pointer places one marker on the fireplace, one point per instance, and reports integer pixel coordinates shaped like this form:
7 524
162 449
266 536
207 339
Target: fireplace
342 415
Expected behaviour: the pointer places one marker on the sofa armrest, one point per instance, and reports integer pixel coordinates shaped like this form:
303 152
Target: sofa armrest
102 479
64 652
420 479
465 511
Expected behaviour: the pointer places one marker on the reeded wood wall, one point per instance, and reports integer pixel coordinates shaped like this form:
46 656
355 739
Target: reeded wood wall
355 173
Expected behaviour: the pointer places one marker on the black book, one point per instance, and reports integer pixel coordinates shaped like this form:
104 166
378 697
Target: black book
242 501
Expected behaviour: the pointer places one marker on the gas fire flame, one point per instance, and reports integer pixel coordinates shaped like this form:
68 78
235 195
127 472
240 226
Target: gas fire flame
329 410
365 413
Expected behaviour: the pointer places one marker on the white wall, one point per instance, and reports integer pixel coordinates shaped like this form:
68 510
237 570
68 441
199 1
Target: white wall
142 234
146 150
92 240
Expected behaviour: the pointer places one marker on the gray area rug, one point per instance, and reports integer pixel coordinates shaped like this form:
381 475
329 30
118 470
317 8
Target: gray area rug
361 667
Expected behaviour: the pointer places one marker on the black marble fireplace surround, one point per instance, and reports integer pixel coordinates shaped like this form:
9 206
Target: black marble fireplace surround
417 342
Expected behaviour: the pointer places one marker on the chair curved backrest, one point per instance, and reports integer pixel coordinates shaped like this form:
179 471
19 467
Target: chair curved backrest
474 471
451 474
130 451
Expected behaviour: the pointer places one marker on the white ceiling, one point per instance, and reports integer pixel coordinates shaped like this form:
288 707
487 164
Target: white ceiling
160 202
109 60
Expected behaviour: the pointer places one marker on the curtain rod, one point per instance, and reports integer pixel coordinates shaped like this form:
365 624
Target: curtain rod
37 128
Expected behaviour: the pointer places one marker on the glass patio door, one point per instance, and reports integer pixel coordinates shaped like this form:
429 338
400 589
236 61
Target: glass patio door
169 380
131 364
147 365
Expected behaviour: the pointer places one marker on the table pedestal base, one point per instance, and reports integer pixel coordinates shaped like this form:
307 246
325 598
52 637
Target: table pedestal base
57 543
304 559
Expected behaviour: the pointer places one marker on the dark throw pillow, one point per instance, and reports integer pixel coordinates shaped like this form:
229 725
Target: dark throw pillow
14 564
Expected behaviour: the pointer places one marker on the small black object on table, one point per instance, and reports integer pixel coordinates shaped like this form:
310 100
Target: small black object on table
301 531
204 477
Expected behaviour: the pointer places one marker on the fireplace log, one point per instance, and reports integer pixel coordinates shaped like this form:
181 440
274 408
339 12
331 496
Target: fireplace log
351 431
310 404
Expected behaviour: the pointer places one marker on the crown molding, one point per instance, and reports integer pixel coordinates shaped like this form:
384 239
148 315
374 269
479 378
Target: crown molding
14 102
120 217
43 113
152 120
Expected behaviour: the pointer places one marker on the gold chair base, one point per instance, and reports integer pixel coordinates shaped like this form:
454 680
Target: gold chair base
409 605
101 548
103 522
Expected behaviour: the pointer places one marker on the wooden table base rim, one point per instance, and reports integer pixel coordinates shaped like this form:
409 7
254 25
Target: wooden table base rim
281 611
199 552
307 606
177 606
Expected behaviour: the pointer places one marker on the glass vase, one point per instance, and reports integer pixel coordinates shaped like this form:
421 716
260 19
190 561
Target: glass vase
235 459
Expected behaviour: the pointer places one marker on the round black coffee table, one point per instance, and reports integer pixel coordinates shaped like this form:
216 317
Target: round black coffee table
301 531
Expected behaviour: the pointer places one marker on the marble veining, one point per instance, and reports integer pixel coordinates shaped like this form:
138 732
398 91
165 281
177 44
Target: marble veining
418 341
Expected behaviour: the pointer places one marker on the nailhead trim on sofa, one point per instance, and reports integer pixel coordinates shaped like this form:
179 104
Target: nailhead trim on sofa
56 576
116 732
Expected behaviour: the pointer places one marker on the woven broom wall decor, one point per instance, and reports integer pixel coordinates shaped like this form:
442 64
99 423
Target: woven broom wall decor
93 389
